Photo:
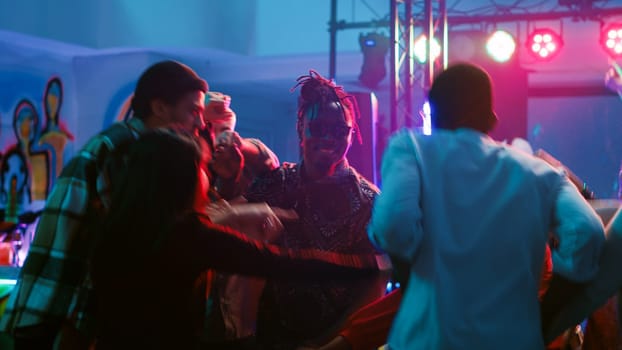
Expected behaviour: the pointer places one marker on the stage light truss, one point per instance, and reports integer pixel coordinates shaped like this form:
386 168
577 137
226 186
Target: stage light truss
402 21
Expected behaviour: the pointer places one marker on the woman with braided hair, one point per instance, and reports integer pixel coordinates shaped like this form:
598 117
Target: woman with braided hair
333 203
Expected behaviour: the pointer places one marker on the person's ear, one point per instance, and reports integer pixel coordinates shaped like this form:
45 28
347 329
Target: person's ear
159 108
492 122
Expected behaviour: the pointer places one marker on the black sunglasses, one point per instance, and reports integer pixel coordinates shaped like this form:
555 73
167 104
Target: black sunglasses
322 130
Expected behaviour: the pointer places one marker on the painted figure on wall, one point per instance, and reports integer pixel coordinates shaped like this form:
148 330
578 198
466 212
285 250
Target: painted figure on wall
55 133
14 182
25 126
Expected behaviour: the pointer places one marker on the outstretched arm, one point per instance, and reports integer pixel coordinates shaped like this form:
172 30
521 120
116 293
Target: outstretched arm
223 249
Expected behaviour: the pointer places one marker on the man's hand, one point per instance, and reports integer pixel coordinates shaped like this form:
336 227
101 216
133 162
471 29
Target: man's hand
228 160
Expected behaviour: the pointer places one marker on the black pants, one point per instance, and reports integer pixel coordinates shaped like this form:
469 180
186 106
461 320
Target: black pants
35 337
249 343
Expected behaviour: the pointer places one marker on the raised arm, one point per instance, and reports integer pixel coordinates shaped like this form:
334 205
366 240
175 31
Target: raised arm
606 283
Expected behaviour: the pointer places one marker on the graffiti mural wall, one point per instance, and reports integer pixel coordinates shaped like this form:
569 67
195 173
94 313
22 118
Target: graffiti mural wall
34 137
53 98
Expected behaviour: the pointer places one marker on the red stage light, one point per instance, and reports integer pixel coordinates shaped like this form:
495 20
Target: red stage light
544 43
611 39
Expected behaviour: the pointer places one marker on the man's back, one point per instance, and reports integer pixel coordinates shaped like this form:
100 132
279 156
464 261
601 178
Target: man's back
472 217
52 279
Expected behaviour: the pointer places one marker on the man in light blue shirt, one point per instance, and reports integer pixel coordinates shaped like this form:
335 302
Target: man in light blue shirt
471 217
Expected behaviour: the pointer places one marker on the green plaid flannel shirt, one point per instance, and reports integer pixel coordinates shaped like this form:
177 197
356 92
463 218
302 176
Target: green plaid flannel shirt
54 283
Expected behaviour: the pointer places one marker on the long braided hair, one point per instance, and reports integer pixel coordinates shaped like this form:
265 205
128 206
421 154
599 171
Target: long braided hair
319 92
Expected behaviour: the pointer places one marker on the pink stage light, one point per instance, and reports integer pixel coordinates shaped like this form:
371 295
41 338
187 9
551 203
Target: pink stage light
544 43
611 39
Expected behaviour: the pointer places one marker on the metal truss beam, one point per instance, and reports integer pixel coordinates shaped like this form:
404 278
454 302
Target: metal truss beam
402 33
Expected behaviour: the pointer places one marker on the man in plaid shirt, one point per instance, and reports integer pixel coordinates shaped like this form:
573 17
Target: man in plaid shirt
53 288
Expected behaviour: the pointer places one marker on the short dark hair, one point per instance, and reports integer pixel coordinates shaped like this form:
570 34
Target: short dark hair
461 96
165 80
317 90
